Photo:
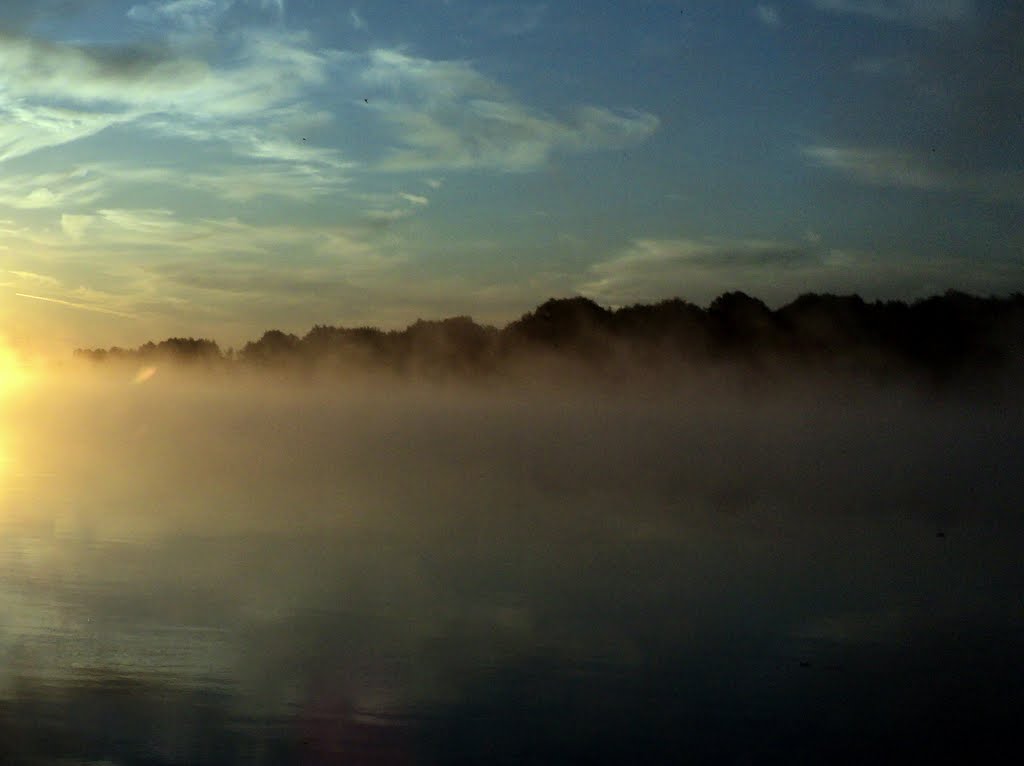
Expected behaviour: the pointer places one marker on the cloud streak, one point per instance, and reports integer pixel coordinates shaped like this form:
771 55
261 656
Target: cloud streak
880 167
76 305
415 199
903 169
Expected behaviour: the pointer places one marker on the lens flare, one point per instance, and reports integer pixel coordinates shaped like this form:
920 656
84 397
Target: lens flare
143 375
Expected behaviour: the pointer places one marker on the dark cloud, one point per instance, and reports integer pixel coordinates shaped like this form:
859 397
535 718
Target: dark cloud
954 98
46 64
983 77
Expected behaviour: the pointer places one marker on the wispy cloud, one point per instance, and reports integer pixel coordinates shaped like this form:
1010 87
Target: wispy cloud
121 235
31 277
163 231
203 15
84 73
57 93
511 20
243 183
80 188
26 128
921 13
74 225
358 22
254 98
446 114
154 265
191 14
650 268
414 199
700 269
260 142
879 166
50 190
768 15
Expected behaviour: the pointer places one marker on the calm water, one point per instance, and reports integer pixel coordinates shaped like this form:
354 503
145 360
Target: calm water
227 573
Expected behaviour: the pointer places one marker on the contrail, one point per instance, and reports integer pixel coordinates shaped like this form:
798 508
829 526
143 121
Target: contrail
82 306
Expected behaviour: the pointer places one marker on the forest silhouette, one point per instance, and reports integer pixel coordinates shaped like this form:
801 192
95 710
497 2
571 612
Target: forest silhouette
948 337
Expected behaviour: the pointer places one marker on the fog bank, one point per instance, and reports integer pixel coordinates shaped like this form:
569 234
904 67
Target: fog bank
447 556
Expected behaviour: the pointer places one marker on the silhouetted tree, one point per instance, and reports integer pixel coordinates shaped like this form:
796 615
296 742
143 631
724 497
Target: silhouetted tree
453 345
274 346
741 323
574 326
184 349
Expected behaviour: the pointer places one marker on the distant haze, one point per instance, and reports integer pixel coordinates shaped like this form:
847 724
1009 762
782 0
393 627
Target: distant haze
952 339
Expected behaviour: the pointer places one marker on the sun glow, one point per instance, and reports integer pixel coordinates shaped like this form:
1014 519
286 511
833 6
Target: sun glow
14 376
5 460
14 373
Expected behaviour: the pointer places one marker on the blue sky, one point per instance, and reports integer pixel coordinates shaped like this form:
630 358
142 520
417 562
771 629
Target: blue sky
219 167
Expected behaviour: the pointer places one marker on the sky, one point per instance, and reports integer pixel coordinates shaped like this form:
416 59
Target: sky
216 168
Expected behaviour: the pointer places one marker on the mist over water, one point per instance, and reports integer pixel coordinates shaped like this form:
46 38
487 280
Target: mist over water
242 569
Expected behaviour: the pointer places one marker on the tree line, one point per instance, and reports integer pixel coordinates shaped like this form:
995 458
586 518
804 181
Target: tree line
944 336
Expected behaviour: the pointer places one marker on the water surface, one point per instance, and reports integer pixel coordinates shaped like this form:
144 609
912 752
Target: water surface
226 571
